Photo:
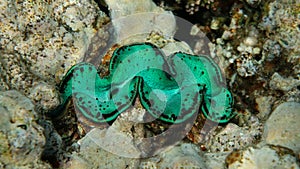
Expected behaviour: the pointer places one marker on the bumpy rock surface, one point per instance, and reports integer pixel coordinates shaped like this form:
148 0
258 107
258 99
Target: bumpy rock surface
182 155
41 40
94 155
282 128
264 157
21 138
235 137
215 160
144 15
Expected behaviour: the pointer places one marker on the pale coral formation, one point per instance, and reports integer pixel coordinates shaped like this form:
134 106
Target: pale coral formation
182 155
21 138
190 6
264 157
264 106
44 96
15 75
287 116
249 46
234 137
40 40
146 17
284 84
92 155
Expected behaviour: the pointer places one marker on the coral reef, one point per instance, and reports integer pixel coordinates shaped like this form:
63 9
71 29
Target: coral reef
255 42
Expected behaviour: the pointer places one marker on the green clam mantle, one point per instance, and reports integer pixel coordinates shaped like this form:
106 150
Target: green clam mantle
171 88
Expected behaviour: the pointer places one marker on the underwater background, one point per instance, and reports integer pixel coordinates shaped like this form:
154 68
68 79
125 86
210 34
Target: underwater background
255 43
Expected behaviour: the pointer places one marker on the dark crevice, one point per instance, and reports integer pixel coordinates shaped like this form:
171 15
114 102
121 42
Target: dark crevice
103 6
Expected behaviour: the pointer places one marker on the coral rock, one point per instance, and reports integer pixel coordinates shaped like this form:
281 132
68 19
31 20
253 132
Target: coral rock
282 127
